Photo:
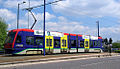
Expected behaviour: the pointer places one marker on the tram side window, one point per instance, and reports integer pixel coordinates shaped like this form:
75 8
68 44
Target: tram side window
99 43
95 43
64 43
39 41
18 39
91 43
81 43
47 42
50 42
30 40
57 42
86 44
73 43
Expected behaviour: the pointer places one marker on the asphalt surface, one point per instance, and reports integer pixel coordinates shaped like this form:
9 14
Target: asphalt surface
20 58
93 63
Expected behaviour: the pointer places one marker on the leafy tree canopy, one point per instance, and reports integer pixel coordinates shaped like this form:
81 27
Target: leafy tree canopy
3 31
115 45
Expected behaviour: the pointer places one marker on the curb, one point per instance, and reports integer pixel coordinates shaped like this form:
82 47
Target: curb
59 58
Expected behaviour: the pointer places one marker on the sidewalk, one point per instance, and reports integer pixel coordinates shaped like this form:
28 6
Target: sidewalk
4 60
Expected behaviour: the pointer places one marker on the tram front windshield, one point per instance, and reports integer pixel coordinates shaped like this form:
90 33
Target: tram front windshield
10 37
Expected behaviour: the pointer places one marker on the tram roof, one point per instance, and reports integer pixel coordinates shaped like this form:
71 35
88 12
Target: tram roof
31 30
28 30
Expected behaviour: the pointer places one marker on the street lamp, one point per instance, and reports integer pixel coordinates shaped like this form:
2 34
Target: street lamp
18 13
98 27
44 26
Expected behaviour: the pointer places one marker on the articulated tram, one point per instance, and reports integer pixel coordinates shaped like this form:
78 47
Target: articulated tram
28 41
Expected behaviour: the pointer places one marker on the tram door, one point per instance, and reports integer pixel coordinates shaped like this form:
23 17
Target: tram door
49 44
86 45
64 43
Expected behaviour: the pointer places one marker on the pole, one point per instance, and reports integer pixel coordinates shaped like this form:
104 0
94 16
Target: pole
44 29
28 14
98 27
18 17
18 13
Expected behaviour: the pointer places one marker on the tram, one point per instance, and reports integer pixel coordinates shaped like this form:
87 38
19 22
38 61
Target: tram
28 41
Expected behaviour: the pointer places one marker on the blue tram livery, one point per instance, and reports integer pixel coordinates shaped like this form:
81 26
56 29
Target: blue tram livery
28 41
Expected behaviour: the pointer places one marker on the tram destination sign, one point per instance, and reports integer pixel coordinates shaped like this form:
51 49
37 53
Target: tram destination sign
93 38
85 37
48 33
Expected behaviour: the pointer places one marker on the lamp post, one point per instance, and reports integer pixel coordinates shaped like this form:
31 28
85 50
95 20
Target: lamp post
44 27
98 27
18 13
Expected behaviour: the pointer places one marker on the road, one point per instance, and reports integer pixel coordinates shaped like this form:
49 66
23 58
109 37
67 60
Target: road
92 63
11 58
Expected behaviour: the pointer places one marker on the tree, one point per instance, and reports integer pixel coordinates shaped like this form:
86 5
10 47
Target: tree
110 41
3 32
106 41
115 45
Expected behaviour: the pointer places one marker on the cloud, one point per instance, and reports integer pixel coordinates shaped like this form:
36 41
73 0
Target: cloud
63 25
115 30
49 16
14 3
13 24
79 28
39 16
0 1
66 27
111 32
7 14
61 18
23 23
74 8
97 8
9 17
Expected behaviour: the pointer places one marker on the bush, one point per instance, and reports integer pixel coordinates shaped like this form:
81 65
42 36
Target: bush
117 51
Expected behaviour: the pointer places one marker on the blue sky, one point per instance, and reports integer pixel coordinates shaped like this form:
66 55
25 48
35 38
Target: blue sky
71 16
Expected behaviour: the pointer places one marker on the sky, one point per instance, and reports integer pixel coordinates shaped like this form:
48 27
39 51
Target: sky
69 16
